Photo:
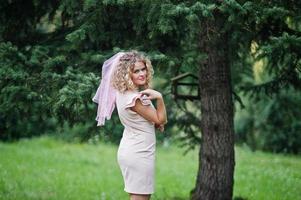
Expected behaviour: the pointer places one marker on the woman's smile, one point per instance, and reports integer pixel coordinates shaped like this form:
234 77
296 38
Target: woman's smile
139 74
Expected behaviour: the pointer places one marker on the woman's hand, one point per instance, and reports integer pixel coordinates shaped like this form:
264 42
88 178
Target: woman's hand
160 127
151 94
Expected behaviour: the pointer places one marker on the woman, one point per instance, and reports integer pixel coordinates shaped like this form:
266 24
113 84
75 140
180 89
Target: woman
130 75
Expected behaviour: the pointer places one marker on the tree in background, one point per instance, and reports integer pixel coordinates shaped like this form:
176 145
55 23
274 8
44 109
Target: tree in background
216 166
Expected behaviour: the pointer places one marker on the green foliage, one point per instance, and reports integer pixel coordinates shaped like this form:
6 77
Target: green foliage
272 123
19 20
72 101
38 93
20 99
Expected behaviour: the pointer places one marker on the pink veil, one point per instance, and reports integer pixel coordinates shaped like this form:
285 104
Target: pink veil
105 95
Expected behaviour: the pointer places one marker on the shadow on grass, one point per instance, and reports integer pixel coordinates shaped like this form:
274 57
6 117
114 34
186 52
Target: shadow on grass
240 198
181 198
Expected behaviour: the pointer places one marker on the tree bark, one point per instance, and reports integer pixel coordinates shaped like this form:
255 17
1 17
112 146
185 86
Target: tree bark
216 156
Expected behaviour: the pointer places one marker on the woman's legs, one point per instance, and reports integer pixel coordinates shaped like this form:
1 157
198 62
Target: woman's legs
139 196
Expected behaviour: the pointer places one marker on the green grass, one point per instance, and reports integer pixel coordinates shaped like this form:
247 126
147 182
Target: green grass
44 168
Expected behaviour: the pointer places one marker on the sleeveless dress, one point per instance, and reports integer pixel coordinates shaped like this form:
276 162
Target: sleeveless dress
136 152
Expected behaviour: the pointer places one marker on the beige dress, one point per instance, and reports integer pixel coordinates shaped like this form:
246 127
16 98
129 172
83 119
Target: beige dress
136 152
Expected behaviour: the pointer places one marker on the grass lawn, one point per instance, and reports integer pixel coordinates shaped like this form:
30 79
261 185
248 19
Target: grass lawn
45 168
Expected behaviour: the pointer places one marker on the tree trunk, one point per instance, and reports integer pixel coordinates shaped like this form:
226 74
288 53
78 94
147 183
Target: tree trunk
216 156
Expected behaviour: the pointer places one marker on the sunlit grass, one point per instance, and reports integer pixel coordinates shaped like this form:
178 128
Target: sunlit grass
44 168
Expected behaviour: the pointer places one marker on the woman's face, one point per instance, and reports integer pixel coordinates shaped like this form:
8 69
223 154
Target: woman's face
138 74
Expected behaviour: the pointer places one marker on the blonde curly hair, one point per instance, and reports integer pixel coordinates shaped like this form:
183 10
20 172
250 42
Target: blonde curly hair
121 79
